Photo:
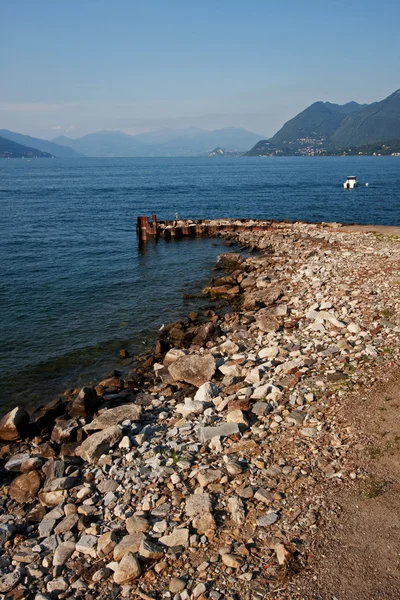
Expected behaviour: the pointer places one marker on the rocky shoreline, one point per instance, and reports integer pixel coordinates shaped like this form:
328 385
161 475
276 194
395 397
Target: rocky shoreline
211 470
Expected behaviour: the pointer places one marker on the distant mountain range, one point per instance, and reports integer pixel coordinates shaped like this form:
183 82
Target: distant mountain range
39 144
325 128
166 142
9 149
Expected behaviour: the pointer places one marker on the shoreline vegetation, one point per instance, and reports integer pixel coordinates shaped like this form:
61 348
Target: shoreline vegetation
213 470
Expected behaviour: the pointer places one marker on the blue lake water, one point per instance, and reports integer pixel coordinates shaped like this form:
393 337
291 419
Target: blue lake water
75 287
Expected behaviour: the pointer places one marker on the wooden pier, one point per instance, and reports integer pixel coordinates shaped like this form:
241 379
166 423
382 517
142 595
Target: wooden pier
193 228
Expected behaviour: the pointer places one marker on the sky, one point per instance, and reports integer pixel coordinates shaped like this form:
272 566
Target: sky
71 67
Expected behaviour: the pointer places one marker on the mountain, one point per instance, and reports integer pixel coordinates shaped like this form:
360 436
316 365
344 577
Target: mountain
219 152
105 144
39 144
374 123
166 142
9 149
318 121
266 148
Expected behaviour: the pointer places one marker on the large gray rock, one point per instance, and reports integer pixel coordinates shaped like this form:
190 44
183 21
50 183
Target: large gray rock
194 369
99 443
224 430
14 424
115 416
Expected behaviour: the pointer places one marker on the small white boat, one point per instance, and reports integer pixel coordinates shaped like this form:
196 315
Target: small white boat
350 183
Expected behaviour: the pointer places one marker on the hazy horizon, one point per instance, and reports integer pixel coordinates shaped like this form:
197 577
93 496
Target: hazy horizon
78 68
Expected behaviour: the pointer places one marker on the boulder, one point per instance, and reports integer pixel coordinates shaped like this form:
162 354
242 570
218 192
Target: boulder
206 333
115 416
194 369
63 430
14 425
23 463
25 487
85 403
99 443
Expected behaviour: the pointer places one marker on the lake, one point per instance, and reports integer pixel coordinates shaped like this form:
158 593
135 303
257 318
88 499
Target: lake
75 287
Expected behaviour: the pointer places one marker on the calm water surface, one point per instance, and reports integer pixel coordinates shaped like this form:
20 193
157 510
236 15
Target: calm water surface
74 285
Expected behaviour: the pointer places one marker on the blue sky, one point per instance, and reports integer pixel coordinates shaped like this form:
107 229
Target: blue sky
72 67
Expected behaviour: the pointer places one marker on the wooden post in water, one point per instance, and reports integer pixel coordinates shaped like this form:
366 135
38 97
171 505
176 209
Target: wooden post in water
141 228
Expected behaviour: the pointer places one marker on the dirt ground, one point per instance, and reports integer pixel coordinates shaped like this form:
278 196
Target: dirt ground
358 557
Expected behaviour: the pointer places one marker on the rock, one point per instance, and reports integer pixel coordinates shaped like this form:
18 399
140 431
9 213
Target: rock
231 369
207 392
6 532
101 574
25 487
191 407
207 332
107 543
14 425
194 369
176 585
199 590
99 443
260 408
197 504
128 569
207 476
137 524
268 519
232 560
46 527
9 581
115 416
87 545
63 430
282 554
173 355
129 543
263 495
51 498
269 352
224 430
150 550
237 416
60 483
236 509
229 261
84 404
179 537
297 417
63 552
67 524
308 432
23 463
204 523
268 323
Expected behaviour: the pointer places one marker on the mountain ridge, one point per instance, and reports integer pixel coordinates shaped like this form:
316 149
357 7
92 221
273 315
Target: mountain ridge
45 146
10 149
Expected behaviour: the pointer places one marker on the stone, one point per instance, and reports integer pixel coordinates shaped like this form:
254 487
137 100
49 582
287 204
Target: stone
194 369
150 550
232 560
128 569
51 498
46 527
101 574
263 495
107 543
197 504
268 323
308 432
84 404
25 487
224 430
63 552
297 417
60 483
207 476
56 586
199 590
67 524
269 519
87 545
206 392
207 332
115 416
173 355
282 554
63 430
204 523
23 463
129 543
176 585
7 530
237 416
99 443
137 524
14 425
178 537
9 581
191 407
260 409
269 352
236 508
